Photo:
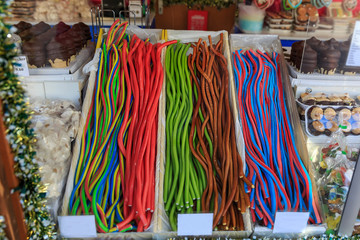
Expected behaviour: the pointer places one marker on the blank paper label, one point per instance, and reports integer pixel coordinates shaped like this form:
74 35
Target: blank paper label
290 222
77 226
199 224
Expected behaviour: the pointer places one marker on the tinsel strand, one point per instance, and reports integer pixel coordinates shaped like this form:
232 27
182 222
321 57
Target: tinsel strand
2 228
21 139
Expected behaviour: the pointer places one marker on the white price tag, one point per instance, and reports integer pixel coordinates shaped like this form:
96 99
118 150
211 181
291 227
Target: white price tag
77 226
290 222
197 224
21 69
353 58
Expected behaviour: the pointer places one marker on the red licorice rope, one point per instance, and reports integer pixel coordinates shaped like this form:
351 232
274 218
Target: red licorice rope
144 74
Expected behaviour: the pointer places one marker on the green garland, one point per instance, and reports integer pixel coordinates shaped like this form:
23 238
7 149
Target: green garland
202 3
2 228
21 139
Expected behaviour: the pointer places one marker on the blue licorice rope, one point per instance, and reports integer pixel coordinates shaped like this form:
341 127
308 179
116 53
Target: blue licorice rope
295 198
310 202
252 76
261 126
270 91
302 205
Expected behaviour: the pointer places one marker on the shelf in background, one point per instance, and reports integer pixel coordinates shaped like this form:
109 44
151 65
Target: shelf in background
108 21
302 36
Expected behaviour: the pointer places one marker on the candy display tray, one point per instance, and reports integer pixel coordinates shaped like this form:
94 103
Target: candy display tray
294 73
47 86
304 106
163 230
272 43
80 60
333 87
46 82
154 35
328 88
325 121
159 227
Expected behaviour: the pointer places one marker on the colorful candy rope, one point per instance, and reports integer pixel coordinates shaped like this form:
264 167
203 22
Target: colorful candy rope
115 174
197 96
281 181
181 183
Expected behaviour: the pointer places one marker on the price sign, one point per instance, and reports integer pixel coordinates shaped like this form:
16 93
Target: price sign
196 224
290 222
353 58
77 226
21 68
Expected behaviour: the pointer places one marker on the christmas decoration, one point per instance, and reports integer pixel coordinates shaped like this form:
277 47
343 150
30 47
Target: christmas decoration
2 228
21 138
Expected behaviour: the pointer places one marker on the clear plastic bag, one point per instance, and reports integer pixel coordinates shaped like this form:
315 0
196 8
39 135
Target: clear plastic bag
333 166
55 124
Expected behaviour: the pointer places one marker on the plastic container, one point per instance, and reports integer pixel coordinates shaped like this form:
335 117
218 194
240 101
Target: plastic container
48 87
45 82
328 87
84 56
251 18
331 123
337 77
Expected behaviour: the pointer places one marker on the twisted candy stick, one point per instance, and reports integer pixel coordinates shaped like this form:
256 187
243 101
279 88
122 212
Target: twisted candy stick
273 163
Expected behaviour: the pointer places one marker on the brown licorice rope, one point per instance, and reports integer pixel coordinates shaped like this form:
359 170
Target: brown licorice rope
214 132
203 154
202 160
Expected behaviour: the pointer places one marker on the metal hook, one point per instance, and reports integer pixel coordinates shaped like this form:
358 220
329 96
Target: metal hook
111 11
128 11
94 18
147 18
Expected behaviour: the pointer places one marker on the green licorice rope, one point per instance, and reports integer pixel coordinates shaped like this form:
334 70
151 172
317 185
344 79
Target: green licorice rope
183 200
172 163
193 183
174 126
172 167
177 127
190 192
185 179
169 109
